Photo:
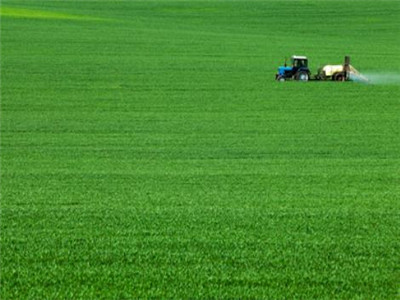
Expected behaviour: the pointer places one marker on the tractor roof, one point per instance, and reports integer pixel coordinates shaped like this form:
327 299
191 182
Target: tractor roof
298 57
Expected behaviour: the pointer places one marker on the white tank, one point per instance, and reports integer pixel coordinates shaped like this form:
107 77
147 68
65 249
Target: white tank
332 69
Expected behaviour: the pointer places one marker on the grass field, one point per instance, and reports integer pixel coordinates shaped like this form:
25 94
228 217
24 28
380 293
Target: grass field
147 152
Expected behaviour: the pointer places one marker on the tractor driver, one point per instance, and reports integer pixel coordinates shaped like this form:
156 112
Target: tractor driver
297 63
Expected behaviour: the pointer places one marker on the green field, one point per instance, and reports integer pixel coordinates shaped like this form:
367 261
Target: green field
148 152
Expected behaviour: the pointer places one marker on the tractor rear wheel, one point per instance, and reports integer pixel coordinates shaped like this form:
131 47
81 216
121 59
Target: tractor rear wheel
302 76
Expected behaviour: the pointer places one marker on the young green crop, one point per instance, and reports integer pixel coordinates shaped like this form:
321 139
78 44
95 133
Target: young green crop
148 152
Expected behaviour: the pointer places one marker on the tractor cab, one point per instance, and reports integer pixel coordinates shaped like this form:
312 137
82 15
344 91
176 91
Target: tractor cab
299 61
298 69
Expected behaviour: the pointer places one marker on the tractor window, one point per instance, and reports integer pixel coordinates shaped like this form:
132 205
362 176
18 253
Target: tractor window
300 63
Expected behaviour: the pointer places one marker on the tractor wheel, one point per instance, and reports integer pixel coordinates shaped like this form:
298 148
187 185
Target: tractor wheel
302 76
281 78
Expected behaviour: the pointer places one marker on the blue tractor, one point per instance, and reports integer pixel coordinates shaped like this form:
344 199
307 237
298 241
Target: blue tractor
297 71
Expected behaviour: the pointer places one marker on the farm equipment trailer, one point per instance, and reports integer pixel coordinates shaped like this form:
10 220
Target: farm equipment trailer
299 71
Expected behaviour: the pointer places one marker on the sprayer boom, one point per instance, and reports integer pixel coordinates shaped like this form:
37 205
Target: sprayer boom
345 72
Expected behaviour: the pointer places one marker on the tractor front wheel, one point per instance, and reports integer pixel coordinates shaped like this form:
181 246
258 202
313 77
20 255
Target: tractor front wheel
302 76
281 78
